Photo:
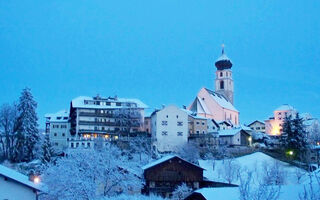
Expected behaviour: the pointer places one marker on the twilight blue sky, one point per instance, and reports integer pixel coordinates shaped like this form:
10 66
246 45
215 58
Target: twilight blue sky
161 52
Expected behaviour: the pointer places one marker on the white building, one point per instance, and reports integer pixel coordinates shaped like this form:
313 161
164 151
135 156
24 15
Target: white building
16 186
169 129
58 128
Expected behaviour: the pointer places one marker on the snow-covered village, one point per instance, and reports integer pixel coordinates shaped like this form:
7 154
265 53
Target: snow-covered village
159 100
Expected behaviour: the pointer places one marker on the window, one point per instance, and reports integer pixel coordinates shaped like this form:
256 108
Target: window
55 134
258 128
197 122
63 134
88 144
167 116
180 133
77 144
198 132
56 143
58 117
164 123
65 118
221 85
72 145
202 123
164 132
263 128
101 111
118 104
221 74
203 132
179 123
177 116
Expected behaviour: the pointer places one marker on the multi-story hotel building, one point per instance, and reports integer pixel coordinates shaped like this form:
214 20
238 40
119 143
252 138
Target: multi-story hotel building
110 118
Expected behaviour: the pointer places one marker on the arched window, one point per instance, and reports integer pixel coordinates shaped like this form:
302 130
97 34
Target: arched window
221 74
221 85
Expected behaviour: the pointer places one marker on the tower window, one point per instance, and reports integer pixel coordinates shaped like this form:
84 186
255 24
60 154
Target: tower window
221 85
221 74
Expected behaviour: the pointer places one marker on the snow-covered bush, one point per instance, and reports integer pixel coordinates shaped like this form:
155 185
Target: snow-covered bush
181 192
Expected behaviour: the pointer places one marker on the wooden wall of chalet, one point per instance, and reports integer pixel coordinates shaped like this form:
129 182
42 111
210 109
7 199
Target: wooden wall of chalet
174 170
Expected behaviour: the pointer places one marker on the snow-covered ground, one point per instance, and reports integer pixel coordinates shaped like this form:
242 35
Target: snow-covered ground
255 162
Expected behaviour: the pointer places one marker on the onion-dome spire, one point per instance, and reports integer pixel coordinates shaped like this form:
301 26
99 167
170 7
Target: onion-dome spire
223 62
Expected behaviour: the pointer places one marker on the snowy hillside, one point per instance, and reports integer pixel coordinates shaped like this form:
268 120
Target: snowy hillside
256 162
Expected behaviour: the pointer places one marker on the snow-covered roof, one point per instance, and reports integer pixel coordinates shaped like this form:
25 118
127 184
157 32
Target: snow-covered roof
310 122
223 57
61 116
285 107
229 132
79 102
193 114
227 193
259 121
18 177
164 159
221 100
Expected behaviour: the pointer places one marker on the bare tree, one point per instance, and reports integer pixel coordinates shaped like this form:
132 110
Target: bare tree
128 120
189 152
181 192
312 189
8 120
230 170
253 188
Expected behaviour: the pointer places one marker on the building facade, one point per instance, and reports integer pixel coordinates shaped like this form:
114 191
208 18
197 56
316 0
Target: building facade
258 126
169 129
109 118
58 128
274 124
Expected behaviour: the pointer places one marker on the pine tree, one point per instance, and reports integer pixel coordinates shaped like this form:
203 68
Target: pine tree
47 151
300 135
287 131
28 126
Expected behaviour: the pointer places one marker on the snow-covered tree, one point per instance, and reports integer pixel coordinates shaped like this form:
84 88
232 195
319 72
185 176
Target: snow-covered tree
27 130
314 133
128 119
48 154
294 137
91 174
181 192
189 152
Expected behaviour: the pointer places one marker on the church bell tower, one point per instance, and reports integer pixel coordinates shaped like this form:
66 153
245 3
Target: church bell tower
224 81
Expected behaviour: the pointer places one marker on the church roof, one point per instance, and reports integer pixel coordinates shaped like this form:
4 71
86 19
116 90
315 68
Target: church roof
221 100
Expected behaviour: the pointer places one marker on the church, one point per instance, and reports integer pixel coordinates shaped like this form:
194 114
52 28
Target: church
218 104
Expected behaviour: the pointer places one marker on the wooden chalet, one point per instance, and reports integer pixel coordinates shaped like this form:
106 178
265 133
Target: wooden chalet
164 175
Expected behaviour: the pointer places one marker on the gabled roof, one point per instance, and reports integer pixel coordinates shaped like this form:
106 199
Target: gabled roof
255 122
164 159
18 177
221 100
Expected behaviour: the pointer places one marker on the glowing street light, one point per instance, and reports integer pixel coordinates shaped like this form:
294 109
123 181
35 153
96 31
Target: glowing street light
36 179
290 153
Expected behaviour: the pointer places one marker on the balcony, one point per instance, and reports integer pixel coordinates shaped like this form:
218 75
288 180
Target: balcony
81 122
